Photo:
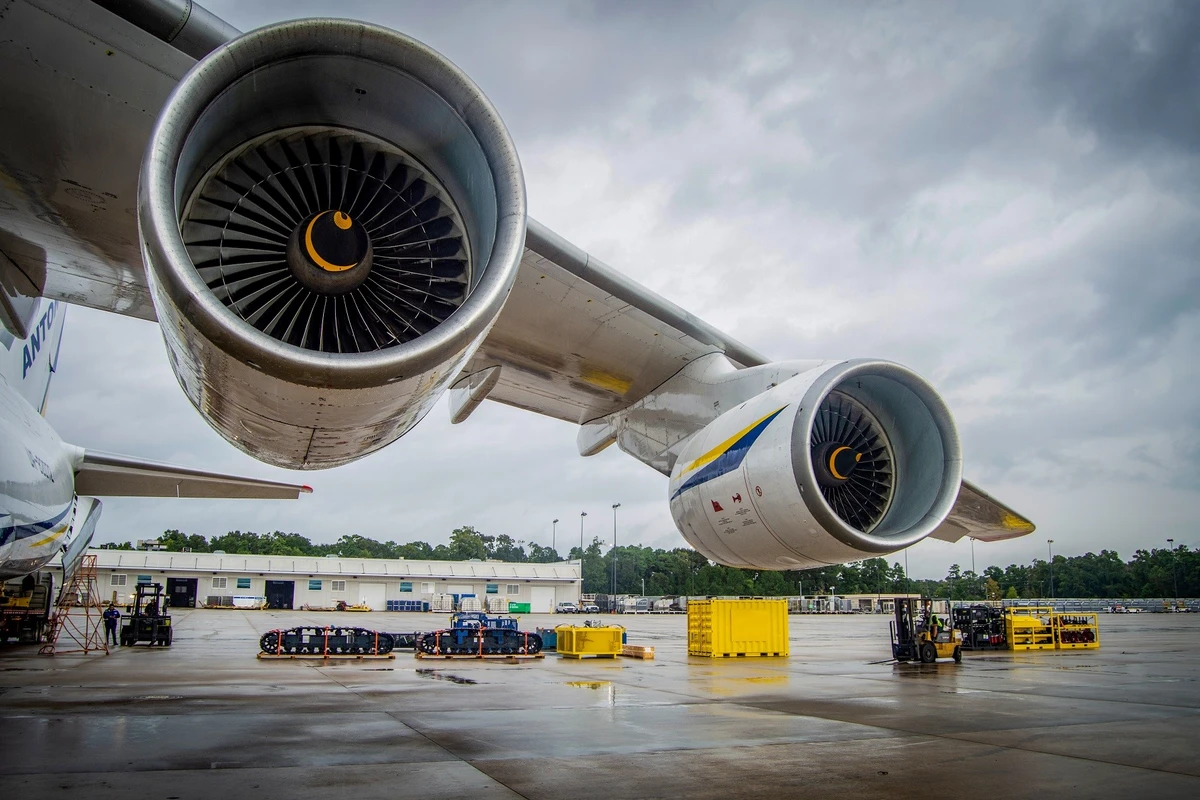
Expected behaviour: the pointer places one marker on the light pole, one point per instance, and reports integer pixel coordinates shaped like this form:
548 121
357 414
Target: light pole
1174 580
553 530
973 555
1050 548
582 514
614 550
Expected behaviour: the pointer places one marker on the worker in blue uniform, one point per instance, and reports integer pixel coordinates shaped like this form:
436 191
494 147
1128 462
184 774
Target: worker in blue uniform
111 619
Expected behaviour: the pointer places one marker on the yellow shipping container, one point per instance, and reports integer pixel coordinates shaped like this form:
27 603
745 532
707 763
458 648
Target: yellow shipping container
736 628
577 642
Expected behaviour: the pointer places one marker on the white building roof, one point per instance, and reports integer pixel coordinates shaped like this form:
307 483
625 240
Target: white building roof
401 569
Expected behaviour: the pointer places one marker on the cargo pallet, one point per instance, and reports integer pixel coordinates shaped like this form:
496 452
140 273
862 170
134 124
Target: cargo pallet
588 655
637 651
330 657
509 657
764 654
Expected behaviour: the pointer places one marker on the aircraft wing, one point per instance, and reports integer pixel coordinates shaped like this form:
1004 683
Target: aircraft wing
107 475
578 340
575 340
980 516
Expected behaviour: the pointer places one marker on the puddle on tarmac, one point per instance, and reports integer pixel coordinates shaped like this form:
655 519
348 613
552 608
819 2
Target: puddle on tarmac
436 675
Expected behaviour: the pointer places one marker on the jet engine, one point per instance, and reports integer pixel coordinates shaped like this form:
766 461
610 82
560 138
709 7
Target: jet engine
332 216
843 461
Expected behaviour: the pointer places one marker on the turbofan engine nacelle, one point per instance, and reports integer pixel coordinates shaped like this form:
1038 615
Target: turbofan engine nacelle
332 217
842 462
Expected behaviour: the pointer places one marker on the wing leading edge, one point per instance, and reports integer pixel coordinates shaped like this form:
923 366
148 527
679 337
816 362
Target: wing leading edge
108 475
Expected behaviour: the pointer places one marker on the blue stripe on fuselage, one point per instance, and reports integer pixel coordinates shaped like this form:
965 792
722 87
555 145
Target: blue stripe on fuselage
13 533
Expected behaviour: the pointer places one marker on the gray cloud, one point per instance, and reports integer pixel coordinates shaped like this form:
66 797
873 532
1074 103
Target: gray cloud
1002 197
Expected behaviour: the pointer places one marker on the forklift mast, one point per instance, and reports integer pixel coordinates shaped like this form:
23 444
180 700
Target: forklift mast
141 592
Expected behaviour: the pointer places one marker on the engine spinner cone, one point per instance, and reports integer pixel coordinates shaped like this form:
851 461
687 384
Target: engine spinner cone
330 253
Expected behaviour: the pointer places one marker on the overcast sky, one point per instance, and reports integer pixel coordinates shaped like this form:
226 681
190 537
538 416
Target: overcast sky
1003 197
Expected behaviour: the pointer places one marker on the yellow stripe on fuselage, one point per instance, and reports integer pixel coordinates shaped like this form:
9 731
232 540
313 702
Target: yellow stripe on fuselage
47 540
719 450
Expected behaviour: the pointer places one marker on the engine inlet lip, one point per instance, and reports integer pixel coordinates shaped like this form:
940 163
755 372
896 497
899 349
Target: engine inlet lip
806 476
169 267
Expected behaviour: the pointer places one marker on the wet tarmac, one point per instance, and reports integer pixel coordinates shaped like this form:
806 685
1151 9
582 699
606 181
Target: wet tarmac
206 719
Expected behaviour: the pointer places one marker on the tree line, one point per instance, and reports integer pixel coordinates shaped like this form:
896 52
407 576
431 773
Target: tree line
1150 573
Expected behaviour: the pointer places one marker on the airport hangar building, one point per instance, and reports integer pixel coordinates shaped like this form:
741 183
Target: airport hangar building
196 579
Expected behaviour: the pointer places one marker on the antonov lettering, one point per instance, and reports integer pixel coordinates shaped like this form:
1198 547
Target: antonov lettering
29 352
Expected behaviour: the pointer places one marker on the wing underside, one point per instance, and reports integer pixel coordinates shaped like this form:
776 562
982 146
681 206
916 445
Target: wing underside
577 340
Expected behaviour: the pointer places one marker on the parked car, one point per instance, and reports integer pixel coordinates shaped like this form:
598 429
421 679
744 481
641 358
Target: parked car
589 608
566 608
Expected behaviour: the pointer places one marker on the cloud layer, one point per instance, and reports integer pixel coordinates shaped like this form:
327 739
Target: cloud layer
1003 198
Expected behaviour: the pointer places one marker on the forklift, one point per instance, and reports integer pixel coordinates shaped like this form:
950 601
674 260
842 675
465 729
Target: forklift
922 637
148 620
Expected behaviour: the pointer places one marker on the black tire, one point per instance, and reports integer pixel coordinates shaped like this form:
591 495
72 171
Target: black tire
928 653
958 655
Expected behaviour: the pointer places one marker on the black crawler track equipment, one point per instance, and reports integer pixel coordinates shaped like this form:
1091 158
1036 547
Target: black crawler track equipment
328 641
479 635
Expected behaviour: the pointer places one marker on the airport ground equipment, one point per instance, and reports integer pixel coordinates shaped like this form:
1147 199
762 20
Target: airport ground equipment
147 620
342 605
76 625
25 608
479 635
918 634
1029 627
1076 631
407 605
981 626
579 641
721 628
330 640
549 638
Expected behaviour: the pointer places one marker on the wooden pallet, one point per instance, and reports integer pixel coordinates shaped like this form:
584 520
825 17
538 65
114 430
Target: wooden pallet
319 657
588 655
738 655
637 651
511 658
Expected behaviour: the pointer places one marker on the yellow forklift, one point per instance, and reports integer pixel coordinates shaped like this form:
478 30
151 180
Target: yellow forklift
920 635
148 620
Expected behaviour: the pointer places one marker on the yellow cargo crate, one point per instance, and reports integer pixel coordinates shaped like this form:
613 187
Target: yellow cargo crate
737 628
1029 627
1077 631
577 642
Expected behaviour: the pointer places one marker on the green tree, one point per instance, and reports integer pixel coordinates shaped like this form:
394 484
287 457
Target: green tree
467 543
